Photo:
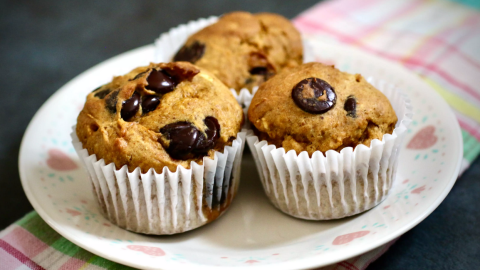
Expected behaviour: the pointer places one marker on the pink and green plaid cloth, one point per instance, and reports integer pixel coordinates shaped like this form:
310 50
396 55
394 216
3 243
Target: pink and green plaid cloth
437 39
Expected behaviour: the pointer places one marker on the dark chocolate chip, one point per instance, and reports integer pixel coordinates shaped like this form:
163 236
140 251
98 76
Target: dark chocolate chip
130 106
308 92
160 81
150 103
139 75
102 94
111 101
213 131
351 106
264 72
183 138
94 127
203 144
259 71
190 53
187 142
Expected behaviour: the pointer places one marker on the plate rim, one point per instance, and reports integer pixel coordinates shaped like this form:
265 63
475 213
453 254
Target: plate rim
307 262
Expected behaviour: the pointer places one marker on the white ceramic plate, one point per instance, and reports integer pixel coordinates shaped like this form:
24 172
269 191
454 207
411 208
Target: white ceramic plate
252 234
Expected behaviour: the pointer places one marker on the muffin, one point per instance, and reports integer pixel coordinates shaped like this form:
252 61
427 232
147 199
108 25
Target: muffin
170 134
339 135
243 50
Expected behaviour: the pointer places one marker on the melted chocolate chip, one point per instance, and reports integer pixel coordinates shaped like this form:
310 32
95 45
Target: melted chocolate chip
213 131
187 142
351 106
102 94
203 144
139 75
259 71
150 103
130 106
190 53
308 92
111 101
183 137
160 81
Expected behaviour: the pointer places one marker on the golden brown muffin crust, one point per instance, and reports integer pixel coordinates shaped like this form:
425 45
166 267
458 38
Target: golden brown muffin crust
137 141
240 41
279 120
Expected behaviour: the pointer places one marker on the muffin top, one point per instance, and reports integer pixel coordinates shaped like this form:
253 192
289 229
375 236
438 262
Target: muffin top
317 107
244 49
165 114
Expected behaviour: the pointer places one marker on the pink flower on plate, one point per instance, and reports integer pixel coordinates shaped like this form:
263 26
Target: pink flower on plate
152 251
59 161
418 190
425 138
73 212
349 237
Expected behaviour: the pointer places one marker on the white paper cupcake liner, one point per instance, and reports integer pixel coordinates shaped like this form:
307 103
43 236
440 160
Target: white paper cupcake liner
337 184
166 202
170 42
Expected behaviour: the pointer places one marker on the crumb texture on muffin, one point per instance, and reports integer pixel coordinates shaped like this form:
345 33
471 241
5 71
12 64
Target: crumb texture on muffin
244 49
296 110
165 114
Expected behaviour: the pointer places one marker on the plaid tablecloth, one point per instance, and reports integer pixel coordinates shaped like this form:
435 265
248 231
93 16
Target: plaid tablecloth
439 40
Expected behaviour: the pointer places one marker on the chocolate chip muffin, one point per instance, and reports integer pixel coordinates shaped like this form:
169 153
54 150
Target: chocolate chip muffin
317 107
161 115
243 50
326 141
162 146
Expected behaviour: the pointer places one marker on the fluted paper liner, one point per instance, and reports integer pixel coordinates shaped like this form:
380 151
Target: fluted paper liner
166 202
170 42
337 184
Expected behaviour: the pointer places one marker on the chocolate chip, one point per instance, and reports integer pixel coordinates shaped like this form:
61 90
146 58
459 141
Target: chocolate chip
190 53
350 106
150 103
160 81
94 127
183 137
187 142
213 131
308 93
111 101
130 106
265 73
259 71
203 144
139 75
